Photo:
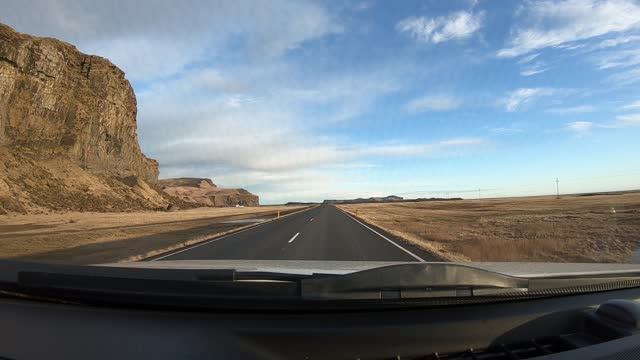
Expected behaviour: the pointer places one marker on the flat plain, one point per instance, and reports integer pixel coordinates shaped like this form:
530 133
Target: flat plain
93 237
573 228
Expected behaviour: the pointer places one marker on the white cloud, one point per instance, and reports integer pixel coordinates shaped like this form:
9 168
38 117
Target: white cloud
347 179
629 120
456 26
632 106
522 97
432 103
558 23
155 39
226 125
621 58
580 128
620 40
572 109
621 121
532 71
506 130
537 68
626 77
528 58
424 149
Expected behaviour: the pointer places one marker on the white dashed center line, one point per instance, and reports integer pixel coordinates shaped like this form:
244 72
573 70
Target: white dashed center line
294 237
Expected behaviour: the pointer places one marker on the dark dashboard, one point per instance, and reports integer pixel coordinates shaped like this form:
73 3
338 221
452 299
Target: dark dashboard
592 326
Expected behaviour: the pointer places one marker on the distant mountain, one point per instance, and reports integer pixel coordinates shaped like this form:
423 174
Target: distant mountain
204 192
385 199
390 198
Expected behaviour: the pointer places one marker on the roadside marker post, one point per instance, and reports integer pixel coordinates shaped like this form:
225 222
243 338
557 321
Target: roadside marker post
278 213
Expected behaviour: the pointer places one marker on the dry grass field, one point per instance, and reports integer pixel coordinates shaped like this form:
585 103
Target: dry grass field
86 238
598 228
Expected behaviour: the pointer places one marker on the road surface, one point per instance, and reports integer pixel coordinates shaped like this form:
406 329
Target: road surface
320 233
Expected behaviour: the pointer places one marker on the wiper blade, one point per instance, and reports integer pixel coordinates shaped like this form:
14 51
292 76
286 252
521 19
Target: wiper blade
228 288
429 280
208 284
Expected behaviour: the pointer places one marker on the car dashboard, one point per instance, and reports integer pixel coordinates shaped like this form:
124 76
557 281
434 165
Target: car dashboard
601 325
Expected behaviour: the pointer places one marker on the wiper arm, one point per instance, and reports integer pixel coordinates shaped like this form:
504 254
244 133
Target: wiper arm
181 284
211 287
429 280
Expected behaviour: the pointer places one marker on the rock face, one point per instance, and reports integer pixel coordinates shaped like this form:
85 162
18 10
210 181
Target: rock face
205 192
55 100
68 132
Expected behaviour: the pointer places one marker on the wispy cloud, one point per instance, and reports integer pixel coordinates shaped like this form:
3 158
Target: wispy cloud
632 106
456 26
528 58
220 124
624 121
616 41
156 39
621 121
559 23
537 68
432 103
523 97
621 58
580 128
571 109
506 130
625 77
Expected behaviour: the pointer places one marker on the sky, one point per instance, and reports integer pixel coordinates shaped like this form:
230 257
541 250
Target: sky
314 100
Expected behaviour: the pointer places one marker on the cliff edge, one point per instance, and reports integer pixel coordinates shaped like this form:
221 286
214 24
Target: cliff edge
204 192
68 136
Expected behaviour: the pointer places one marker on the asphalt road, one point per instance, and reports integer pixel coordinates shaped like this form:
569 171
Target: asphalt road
320 233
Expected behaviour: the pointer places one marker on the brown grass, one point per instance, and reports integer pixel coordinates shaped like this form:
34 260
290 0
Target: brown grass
84 238
603 228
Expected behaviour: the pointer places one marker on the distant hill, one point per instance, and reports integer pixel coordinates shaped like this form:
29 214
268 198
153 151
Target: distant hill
191 182
390 198
203 191
385 199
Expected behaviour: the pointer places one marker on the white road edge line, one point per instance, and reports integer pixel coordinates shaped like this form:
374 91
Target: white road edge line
294 237
218 238
384 237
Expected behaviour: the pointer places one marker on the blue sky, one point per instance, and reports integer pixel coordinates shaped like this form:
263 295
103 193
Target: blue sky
309 100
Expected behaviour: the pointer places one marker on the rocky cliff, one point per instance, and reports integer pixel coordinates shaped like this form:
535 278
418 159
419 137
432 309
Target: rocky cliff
205 192
68 131
55 100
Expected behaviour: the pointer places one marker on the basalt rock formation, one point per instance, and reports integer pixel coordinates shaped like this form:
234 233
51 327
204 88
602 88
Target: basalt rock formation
68 132
205 192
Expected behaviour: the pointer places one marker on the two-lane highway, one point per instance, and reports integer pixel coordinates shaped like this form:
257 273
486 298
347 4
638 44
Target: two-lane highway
320 233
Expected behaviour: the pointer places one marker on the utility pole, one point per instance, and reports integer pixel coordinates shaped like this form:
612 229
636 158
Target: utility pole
479 197
557 188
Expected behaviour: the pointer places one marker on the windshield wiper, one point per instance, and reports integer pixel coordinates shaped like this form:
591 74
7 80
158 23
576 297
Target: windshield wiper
208 287
179 284
435 280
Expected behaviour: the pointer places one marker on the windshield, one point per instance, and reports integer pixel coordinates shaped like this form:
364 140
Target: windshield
319 136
